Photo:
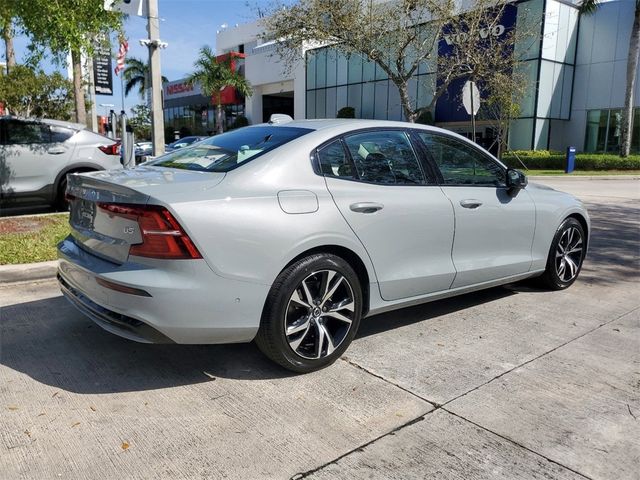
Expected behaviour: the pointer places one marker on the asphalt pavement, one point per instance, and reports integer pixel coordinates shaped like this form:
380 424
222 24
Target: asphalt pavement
511 383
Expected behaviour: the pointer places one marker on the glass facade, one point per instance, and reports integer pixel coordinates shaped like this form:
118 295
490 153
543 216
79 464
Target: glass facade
547 50
603 131
197 119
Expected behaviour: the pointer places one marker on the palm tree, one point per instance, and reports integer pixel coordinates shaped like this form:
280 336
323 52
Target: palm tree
136 73
589 7
215 75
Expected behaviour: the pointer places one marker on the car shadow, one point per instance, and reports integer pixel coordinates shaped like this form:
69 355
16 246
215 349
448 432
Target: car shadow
57 346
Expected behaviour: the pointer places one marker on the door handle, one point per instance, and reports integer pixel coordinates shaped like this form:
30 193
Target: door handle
366 207
56 150
470 203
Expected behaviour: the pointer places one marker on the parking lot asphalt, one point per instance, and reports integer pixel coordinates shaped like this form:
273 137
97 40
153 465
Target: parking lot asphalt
511 382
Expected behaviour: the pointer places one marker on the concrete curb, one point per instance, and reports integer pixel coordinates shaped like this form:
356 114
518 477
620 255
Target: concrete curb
27 272
583 177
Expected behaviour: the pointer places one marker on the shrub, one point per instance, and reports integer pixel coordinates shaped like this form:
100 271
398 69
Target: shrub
346 112
549 160
425 118
239 122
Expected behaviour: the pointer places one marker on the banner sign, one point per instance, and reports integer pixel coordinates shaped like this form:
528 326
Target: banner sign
102 72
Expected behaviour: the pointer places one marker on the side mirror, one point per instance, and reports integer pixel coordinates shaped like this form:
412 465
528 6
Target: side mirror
516 180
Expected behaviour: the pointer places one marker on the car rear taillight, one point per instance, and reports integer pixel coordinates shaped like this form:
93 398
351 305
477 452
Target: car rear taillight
113 149
162 235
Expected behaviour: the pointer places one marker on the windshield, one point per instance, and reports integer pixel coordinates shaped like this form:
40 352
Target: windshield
229 150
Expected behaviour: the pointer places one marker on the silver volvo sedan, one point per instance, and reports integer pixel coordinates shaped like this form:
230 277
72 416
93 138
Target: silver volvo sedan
289 233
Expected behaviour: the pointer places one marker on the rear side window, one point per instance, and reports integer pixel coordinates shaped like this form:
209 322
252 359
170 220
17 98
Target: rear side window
24 133
461 164
334 161
229 150
385 157
60 134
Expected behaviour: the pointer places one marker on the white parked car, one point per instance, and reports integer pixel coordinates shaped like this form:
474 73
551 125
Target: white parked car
291 233
37 155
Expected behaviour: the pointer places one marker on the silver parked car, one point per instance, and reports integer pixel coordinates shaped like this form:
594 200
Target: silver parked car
291 233
37 154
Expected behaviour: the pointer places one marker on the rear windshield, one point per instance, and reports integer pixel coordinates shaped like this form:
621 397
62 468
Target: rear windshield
229 150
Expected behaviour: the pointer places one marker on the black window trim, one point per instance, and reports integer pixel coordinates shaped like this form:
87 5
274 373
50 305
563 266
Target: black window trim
430 180
471 145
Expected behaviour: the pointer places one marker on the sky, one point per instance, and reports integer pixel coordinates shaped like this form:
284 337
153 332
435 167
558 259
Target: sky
186 25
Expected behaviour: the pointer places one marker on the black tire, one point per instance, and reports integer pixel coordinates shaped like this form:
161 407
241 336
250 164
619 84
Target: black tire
280 307
61 202
554 277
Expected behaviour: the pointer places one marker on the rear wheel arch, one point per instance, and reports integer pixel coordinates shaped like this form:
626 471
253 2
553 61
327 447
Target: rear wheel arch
349 256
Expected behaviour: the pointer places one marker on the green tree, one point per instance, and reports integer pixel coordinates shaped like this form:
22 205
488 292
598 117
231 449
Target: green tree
32 93
399 37
140 121
8 11
589 7
136 74
63 26
213 76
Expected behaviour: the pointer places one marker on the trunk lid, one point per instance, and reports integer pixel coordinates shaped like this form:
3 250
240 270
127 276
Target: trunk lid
110 236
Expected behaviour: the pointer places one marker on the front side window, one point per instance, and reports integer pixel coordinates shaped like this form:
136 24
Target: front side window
461 164
385 157
334 161
229 150
25 133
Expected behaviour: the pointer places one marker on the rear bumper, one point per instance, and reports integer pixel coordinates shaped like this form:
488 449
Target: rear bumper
186 303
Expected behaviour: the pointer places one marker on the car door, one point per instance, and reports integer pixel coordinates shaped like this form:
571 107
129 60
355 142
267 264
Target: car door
394 207
34 155
494 228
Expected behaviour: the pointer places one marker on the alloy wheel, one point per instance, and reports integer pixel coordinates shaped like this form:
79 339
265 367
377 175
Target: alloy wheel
569 254
319 314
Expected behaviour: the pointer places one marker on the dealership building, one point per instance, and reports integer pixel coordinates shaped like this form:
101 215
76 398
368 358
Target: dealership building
574 93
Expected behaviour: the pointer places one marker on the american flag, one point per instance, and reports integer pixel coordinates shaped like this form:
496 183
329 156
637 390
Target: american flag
122 53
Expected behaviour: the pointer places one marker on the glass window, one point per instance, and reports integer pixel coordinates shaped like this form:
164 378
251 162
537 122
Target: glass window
321 68
321 103
368 94
311 104
225 152
331 110
614 130
60 134
332 57
311 69
385 157
342 68
334 162
354 98
23 133
462 164
355 68
596 130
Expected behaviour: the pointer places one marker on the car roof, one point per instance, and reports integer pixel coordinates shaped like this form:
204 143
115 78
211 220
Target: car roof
345 125
48 121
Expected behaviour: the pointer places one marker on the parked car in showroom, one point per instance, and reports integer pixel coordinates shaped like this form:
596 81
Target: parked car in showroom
182 142
36 156
290 233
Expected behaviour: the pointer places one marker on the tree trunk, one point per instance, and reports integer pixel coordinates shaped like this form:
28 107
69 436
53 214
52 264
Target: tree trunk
405 100
632 67
10 53
219 118
78 90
